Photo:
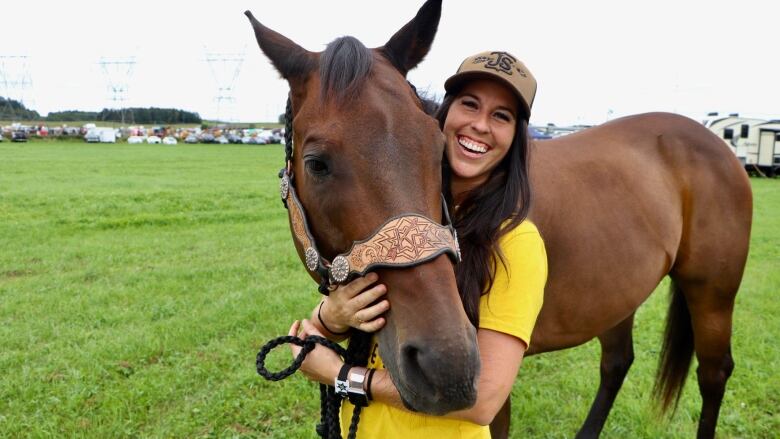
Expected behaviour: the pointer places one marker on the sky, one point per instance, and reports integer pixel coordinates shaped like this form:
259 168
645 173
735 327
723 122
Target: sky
594 60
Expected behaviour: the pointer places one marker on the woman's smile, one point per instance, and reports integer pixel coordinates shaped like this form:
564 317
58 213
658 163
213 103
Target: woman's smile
471 147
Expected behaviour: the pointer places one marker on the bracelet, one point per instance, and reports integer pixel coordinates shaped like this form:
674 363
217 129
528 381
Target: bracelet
342 383
367 384
350 383
319 317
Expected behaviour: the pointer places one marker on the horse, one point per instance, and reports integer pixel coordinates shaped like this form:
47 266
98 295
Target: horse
365 151
619 206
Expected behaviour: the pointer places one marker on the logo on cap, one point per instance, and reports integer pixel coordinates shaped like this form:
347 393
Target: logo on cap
503 62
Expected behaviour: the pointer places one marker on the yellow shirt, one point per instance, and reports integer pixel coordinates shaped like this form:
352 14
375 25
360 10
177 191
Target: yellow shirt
511 307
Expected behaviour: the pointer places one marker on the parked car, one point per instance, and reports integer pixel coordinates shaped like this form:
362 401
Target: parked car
168 140
92 136
153 139
19 136
192 138
135 140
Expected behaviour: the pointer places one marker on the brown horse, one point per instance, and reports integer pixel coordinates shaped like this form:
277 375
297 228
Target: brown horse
365 151
619 206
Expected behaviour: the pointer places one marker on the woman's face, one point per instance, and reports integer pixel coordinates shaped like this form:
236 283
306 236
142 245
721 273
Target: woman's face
479 130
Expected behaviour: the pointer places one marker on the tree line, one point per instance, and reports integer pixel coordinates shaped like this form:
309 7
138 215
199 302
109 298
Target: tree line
14 110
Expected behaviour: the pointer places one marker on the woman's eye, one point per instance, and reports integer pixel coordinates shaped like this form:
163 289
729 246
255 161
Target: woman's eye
469 103
503 117
316 167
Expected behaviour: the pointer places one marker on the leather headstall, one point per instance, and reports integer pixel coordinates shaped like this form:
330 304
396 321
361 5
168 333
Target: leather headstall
405 240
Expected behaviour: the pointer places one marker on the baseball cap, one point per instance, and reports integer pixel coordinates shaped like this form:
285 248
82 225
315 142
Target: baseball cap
497 65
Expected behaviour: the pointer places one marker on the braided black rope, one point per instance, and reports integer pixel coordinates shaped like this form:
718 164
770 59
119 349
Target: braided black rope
330 402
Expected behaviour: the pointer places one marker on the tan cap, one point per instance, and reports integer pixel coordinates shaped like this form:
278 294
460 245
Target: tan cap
499 65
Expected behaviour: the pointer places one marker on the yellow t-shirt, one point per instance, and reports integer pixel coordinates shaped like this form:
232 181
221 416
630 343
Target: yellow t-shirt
511 307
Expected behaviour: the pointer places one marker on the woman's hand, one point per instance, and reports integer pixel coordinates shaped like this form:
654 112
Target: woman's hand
322 364
352 305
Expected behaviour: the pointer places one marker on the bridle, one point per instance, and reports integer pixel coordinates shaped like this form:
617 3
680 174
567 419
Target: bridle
402 241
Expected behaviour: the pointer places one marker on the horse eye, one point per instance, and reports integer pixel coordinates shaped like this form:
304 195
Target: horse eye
316 167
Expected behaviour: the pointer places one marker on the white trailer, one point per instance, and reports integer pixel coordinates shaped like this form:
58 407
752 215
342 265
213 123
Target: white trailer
767 151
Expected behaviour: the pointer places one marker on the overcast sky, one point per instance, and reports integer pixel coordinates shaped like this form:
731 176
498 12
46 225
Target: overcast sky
594 60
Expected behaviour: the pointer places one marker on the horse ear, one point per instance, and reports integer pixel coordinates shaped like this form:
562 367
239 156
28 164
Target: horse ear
291 60
410 44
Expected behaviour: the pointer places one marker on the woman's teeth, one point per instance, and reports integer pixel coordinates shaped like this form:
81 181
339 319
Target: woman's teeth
471 146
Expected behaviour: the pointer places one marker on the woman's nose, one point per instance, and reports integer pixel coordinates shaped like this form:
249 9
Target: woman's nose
480 123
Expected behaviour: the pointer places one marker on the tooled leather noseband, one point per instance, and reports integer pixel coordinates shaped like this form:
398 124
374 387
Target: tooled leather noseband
404 240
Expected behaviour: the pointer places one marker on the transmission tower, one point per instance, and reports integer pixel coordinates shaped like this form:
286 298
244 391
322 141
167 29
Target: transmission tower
15 81
225 68
118 72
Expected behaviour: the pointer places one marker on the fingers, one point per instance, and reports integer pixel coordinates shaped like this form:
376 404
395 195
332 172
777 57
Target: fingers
310 329
294 328
294 349
372 312
356 286
373 325
369 296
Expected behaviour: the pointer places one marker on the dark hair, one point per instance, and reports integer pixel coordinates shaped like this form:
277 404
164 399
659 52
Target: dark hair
480 217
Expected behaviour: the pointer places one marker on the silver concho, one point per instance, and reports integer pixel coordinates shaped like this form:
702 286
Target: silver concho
284 187
312 259
339 269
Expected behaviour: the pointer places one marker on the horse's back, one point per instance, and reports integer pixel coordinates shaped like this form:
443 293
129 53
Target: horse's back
618 205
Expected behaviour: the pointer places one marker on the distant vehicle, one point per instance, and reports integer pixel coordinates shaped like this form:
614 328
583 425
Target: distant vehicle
192 138
92 136
135 140
253 140
102 135
536 133
168 140
19 136
153 139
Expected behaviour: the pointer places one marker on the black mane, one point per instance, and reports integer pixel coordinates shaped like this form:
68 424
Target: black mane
344 65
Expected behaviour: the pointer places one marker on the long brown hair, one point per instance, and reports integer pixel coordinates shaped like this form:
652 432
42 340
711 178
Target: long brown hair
480 218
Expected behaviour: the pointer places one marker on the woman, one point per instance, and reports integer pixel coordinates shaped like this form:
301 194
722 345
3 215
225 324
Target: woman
484 118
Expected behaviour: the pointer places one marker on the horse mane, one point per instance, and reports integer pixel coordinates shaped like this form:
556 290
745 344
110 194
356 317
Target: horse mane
344 66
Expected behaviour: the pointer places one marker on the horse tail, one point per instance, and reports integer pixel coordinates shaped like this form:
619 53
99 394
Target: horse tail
676 353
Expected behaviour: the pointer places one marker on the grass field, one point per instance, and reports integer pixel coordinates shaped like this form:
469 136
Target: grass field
137 283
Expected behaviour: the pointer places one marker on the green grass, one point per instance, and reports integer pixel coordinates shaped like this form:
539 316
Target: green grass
137 283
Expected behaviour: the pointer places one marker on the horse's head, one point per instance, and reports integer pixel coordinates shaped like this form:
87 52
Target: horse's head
365 151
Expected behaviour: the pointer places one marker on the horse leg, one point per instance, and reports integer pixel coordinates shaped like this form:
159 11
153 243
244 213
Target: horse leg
617 354
711 317
499 428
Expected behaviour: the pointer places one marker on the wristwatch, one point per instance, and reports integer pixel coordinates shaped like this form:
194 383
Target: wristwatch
351 384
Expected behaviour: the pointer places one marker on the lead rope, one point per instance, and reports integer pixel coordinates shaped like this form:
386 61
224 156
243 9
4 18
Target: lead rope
330 402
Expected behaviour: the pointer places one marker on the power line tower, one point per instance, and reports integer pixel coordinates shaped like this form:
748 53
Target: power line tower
15 82
225 68
118 71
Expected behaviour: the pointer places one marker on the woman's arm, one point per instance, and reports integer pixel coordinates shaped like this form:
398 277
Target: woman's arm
501 355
